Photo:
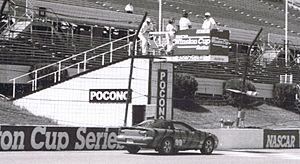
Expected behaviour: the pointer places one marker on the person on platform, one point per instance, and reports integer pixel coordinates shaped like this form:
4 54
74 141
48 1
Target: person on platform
209 22
144 34
129 8
184 22
171 29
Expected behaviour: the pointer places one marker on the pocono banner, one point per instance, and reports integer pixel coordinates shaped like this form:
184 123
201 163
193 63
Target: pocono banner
162 86
281 139
34 138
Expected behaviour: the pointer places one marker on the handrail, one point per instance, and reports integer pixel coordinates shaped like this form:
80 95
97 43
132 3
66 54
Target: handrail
70 66
84 61
73 56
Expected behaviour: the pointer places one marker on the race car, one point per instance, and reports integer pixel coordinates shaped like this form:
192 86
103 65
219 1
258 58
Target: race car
166 137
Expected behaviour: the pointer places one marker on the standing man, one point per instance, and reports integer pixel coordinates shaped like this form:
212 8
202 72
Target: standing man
184 22
144 35
209 22
170 28
129 8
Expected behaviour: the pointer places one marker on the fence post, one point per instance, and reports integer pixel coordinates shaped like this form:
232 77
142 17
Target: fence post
102 59
78 68
54 77
111 51
135 48
14 88
35 80
84 62
129 49
59 70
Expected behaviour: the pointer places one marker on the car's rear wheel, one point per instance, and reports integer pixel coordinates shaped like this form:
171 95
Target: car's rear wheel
133 149
167 146
208 146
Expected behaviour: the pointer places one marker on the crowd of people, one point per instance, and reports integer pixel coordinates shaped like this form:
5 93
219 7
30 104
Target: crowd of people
184 23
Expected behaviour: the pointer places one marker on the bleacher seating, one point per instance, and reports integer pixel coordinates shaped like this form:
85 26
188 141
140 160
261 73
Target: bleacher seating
79 28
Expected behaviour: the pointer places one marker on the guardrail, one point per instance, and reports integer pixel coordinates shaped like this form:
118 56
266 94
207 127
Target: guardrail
68 63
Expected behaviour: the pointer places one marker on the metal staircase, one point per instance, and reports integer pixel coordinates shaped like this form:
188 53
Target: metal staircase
97 57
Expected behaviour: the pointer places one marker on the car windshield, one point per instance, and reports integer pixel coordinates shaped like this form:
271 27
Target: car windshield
150 124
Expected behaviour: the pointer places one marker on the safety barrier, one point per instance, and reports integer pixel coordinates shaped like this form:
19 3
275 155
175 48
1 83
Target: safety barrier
256 138
46 138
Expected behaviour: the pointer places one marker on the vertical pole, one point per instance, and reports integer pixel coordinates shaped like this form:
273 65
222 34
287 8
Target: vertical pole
159 19
35 80
129 49
91 36
286 33
131 70
84 63
247 64
111 51
59 71
14 88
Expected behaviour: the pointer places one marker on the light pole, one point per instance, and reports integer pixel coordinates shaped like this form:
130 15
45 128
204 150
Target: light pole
159 18
286 33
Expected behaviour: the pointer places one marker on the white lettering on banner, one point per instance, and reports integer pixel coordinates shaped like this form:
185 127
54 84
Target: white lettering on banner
203 41
197 58
113 95
162 94
92 140
60 140
280 141
12 141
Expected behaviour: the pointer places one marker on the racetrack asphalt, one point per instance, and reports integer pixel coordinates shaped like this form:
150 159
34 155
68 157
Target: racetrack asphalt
245 156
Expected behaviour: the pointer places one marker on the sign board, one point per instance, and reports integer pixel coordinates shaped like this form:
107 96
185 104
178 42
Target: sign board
196 58
281 139
194 45
162 85
109 96
201 42
42 138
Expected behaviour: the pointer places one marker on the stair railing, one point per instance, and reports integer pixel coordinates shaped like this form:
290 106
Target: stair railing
84 62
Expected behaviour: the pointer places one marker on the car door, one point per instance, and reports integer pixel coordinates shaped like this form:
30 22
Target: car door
190 137
184 139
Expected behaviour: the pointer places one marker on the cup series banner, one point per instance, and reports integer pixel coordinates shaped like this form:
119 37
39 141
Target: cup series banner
42 138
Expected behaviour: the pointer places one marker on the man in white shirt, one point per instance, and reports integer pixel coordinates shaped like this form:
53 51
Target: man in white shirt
184 22
208 23
129 8
170 28
144 35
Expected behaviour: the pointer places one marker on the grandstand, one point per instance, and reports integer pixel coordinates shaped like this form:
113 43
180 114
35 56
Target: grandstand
72 27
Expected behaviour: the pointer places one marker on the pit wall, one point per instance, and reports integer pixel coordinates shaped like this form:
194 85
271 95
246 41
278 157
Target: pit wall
256 138
57 138
42 138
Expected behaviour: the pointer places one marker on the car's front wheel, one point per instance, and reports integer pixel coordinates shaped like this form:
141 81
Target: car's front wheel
133 149
208 146
167 146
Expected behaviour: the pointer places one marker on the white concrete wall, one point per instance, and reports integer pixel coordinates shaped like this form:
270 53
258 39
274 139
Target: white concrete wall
68 102
238 138
215 86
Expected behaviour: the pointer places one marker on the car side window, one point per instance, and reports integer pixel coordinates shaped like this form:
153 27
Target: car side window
179 126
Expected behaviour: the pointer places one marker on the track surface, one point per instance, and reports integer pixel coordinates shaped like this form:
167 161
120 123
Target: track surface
291 156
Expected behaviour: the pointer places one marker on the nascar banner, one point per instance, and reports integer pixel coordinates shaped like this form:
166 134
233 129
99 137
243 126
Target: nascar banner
42 138
281 139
